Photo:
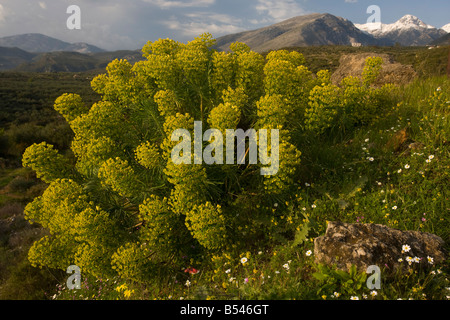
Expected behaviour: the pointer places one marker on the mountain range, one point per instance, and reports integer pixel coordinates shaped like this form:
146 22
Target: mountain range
61 61
408 31
36 42
40 53
308 30
326 29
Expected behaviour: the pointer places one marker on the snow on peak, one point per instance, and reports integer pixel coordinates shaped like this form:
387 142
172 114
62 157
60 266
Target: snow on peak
446 28
411 22
407 22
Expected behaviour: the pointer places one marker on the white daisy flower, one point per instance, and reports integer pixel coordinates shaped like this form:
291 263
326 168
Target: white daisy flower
406 248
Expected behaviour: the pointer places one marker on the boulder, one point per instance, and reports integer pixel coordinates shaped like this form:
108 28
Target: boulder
363 245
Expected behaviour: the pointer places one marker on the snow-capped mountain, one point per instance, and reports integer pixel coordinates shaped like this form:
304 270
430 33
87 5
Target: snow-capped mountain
446 28
408 31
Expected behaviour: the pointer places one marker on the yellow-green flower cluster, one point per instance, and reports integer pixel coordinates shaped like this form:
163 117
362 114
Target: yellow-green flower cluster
282 73
371 70
160 224
70 106
133 261
323 108
120 176
249 74
79 233
207 224
224 71
172 123
189 183
92 153
48 164
288 162
193 59
224 116
273 111
52 252
167 103
148 155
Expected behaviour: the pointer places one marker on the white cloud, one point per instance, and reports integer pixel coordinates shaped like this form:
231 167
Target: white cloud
43 5
194 24
351 1
167 4
218 17
2 13
279 10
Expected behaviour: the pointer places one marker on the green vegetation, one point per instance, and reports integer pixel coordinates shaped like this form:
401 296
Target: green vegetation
425 62
142 228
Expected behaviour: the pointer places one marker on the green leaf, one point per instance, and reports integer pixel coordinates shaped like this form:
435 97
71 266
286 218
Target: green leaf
302 234
320 276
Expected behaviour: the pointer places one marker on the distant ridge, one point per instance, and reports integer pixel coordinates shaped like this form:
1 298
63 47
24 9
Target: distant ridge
442 41
36 42
76 62
12 57
309 30
407 31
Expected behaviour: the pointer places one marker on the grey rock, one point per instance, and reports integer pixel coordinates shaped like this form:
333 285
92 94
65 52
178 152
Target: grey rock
363 245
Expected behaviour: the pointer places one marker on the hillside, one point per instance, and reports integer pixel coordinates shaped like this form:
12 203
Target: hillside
442 41
36 42
309 30
76 62
12 57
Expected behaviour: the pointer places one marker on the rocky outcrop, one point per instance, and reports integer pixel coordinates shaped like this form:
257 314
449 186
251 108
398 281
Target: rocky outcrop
391 72
363 245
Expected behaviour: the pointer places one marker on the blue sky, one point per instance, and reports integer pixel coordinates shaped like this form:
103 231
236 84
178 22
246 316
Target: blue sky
128 24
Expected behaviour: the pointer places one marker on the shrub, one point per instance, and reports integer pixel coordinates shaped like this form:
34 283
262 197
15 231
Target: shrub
125 208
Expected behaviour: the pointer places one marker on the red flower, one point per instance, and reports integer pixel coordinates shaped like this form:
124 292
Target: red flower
191 270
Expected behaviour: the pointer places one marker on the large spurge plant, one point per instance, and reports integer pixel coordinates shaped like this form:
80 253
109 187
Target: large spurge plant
118 205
